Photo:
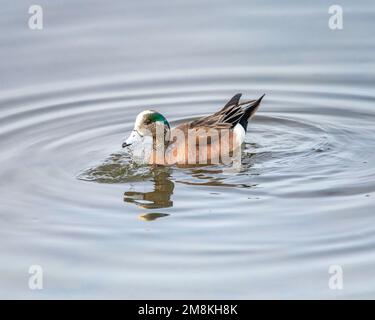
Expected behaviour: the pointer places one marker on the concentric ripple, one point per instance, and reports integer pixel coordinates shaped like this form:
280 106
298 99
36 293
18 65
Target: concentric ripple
307 142
307 167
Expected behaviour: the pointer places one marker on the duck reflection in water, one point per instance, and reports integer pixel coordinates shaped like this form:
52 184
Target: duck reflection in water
163 187
160 197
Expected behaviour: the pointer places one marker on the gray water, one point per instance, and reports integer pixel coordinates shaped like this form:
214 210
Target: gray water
101 228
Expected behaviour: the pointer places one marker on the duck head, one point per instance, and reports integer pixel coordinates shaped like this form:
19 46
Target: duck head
150 127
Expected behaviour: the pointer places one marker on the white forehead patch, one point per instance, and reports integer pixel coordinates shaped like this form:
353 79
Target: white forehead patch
140 117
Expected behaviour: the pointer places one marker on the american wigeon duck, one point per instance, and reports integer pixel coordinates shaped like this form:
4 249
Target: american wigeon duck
203 141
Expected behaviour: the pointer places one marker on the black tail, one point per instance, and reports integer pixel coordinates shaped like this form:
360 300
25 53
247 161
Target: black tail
234 101
249 112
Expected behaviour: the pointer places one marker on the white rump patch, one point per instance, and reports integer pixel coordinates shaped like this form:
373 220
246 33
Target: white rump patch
239 133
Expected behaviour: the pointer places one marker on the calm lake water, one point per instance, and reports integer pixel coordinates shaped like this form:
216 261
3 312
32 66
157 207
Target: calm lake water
100 228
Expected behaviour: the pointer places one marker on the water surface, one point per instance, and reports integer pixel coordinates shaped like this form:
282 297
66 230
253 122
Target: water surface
103 228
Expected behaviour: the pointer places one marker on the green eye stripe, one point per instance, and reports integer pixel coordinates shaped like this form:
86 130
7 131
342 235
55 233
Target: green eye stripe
158 117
